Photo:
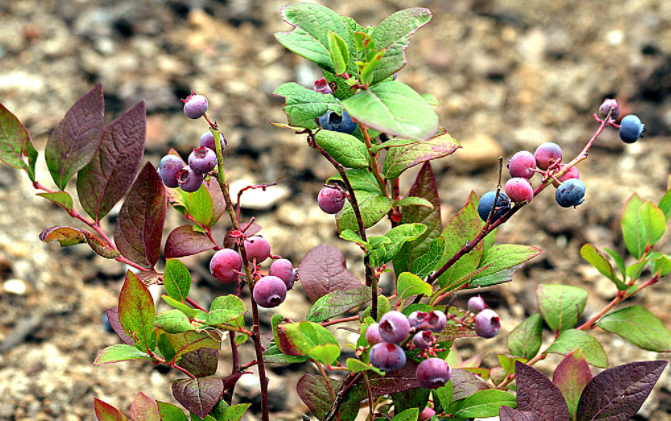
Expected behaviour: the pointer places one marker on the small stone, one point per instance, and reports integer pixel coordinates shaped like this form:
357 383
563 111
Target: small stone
478 152
14 286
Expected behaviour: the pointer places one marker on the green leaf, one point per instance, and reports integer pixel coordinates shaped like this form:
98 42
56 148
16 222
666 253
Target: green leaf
136 312
639 326
338 53
349 235
408 415
373 206
235 412
394 34
309 38
618 261
173 321
365 44
444 395
225 309
413 398
119 352
304 105
426 263
573 339
338 302
198 204
165 347
632 227
430 99
599 261
505 260
106 412
170 412
314 340
367 73
400 235
61 198
356 366
360 179
508 363
413 201
176 280
193 340
561 305
526 339
654 222
414 153
15 143
665 204
485 403
393 108
662 266
189 311
275 356
409 284
346 149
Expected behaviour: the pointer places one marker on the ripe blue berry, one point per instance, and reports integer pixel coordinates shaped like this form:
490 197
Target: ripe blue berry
223 265
373 334
283 269
487 202
571 173
487 323
476 304
519 189
336 123
419 320
387 357
195 105
423 339
207 140
269 291
436 321
394 327
189 180
169 168
257 248
202 160
607 105
547 154
433 373
631 129
331 200
570 193
521 164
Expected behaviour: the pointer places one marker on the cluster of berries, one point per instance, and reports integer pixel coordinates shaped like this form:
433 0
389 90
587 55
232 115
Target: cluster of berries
487 322
631 128
269 291
174 171
393 329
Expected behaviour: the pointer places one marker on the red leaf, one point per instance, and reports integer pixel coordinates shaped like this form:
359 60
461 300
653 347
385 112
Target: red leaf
139 228
144 408
198 395
537 394
136 312
314 393
218 202
184 241
510 414
109 175
113 318
571 376
323 270
76 139
106 412
201 362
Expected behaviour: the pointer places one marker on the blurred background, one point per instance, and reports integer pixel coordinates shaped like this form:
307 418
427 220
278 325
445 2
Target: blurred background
509 75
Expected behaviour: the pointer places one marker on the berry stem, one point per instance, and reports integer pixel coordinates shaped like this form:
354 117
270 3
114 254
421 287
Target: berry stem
371 410
195 304
373 160
346 319
326 379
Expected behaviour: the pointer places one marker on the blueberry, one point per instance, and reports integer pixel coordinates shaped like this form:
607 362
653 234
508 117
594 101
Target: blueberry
195 105
257 248
373 334
519 189
331 200
419 320
207 140
571 173
547 154
283 269
436 321
269 291
607 105
394 327
476 304
189 180
487 201
334 122
631 129
202 160
223 265
521 164
433 373
169 168
423 339
570 193
487 323
386 356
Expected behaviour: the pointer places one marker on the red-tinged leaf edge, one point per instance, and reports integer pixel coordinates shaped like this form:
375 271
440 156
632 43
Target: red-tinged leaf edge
106 412
184 241
139 229
571 376
69 236
109 175
537 394
113 318
144 408
137 312
323 270
510 414
198 395
15 143
76 139
619 392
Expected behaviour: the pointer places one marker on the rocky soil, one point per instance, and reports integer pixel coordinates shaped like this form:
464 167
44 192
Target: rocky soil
509 75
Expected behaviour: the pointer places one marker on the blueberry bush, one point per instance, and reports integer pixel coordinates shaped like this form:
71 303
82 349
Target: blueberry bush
371 128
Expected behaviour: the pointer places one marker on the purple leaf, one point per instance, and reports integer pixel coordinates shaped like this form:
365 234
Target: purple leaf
106 412
510 414
617 394
113 318
144 408
15 143
465 384
571 376
424 187
395 381
76 139
139 228
109 175
198 395
68 236
184 241
137 312
201 362
323 270
314 393
537 394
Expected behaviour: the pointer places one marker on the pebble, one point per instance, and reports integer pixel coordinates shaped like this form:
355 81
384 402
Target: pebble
15 286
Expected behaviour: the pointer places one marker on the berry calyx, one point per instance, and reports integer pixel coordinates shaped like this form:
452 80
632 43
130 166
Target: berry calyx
631 129
487 323
519 189
331 200
386 356
522 164
547 154
257 248
433 373
202 160
394 327
283 269
168 169
570 193
195 105
189 180
476 304
487 202
224 265
269 291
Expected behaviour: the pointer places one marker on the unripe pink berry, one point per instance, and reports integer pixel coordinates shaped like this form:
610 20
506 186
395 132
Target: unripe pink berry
257 248
373 334
521 165
223 265
571 173
519 189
